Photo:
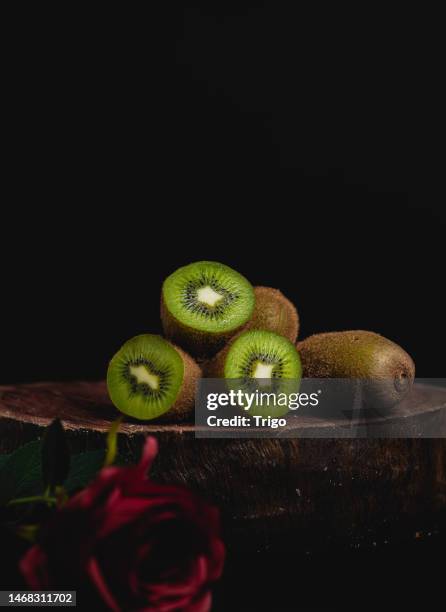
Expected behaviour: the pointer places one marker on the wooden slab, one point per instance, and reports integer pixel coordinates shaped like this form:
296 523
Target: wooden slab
272 492
86 405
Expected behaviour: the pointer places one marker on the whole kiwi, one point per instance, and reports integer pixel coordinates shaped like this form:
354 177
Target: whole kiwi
387 372
274 312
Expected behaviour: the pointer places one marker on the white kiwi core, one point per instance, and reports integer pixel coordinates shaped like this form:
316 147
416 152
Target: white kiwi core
144 376
207 295
263 370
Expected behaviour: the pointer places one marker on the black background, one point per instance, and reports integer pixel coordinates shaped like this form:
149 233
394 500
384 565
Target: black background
277 141
280 142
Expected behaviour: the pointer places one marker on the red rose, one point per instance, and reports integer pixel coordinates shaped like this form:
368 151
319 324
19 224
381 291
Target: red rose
140 545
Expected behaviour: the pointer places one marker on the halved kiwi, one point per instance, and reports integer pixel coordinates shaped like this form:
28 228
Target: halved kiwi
261 354
149 377
259 360
274 312
203 305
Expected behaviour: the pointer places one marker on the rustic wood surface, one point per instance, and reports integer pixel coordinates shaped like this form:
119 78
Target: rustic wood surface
272 492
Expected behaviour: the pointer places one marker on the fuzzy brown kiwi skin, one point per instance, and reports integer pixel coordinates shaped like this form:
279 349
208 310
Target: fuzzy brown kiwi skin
183 408
387 370
274 312
201 345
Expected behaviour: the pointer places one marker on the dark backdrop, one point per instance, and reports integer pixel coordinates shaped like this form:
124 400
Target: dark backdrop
276 141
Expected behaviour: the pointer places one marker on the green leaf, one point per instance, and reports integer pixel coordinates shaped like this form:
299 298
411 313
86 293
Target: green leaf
55 455
20 474
84 468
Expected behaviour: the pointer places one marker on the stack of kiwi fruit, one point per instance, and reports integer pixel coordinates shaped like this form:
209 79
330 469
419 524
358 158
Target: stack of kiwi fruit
216 324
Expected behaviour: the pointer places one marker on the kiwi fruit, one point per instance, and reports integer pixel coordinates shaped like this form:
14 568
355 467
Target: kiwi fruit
257 354
203 305
149 377
259 360
274 312
386 370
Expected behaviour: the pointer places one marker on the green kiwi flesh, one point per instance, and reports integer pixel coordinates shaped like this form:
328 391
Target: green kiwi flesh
274 312
203 305
256 354
385 367
259 360
149 377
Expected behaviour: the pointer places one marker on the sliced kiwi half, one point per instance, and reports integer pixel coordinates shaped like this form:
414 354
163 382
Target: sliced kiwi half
259 360
149 377
261 354
274 312
203 305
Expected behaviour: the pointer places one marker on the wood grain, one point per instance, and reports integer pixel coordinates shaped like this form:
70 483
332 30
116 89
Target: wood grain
307 490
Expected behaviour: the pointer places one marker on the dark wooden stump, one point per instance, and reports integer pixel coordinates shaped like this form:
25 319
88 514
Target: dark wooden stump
282 492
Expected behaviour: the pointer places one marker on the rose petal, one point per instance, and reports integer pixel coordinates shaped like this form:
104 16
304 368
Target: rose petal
34 568
129 511
98 580
149 452
111 533
202 604
106 479
216 560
